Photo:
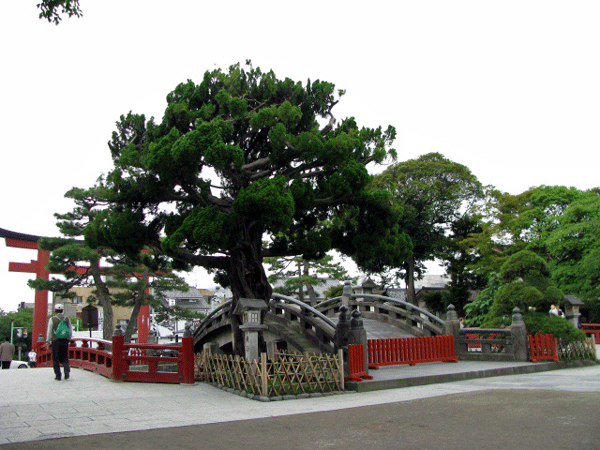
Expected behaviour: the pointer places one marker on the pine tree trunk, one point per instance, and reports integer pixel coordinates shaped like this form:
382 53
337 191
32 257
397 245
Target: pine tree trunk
411 296
248 279
135 312
105 301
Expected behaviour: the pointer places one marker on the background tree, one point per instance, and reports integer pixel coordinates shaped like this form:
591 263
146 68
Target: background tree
241 157
118 279
523 282
49 9
511 223
573 247
434 193
555 222
460 262
21 318
300 276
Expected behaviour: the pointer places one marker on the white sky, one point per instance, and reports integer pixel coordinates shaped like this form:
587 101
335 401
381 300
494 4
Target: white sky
510 89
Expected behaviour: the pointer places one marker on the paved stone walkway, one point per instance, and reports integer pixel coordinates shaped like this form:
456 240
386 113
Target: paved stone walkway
89 411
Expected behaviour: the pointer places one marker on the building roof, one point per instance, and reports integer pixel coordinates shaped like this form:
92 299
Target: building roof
193 294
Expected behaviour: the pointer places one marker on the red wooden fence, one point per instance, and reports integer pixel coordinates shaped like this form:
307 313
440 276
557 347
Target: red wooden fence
386 352
542 348
93 355
592 328
356 362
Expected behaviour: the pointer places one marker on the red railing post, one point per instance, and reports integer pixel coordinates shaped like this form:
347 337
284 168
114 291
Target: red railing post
356 363
186 364
542 348
118 363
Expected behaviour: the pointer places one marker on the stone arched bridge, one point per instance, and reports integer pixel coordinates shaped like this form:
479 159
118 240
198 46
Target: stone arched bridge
293 325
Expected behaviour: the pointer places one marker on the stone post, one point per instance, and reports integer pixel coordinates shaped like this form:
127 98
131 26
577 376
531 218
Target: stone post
250 311
358 335
341 335
453 326
519 336
346 294
342 328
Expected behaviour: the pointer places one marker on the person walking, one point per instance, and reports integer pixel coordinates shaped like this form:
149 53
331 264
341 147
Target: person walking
59 341
7 351
31 358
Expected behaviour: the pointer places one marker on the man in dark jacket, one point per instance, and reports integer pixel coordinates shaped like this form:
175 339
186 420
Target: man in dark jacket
7 351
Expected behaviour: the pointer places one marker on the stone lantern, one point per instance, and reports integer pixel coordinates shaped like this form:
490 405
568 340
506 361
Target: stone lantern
250 311
572 304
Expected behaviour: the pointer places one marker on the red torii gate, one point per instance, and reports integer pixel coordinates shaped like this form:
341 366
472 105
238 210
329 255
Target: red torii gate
38 267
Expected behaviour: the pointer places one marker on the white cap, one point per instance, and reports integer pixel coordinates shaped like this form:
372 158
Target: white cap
59 307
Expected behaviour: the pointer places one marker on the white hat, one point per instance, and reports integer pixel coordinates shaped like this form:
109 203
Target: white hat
59 307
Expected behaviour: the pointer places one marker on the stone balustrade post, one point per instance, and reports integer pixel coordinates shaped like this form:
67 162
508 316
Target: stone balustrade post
519 336
452 326
340 339
347 292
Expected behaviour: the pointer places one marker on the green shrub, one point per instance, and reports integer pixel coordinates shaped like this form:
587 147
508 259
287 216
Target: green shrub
548 324
516 295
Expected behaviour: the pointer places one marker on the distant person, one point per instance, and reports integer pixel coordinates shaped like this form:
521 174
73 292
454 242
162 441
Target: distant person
31 358
60 342
7 351
556 311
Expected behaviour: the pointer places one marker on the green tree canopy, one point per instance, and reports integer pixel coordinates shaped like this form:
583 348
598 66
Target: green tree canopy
434 193
573 247
244 157
51 10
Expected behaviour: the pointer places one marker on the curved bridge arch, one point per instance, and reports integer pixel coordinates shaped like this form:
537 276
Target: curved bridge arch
312 329
399 313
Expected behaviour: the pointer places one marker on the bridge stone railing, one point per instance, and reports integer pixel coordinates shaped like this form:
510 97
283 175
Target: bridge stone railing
318 328
286 311
402 314
316 323
214 323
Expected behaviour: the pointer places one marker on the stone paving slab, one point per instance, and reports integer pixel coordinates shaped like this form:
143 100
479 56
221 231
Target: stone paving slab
35 407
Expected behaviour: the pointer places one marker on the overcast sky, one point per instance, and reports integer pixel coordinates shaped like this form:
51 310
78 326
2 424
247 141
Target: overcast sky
510 89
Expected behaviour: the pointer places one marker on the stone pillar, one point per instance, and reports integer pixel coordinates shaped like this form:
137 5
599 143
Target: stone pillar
358 335
519 336
342 328
346 293
251 312
453 326
340 339
212 347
